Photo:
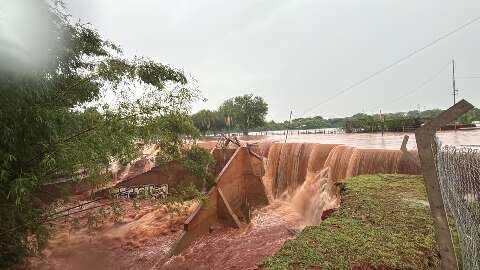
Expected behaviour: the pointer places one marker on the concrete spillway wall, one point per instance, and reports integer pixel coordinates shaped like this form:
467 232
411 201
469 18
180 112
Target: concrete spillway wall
238 189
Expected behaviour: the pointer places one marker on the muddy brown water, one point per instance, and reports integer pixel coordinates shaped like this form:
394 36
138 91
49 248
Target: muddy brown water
137 241
227 248
390 140
298 179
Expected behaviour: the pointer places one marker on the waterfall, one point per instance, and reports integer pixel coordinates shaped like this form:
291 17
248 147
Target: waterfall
304 174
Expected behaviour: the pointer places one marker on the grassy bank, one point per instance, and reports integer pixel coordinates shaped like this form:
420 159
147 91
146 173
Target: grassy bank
383 223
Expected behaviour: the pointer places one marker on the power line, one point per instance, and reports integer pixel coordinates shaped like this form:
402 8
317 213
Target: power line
419 87
467 77
392 64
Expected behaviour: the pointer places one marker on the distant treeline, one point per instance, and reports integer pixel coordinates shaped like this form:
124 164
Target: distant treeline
226 119
360 122
239 114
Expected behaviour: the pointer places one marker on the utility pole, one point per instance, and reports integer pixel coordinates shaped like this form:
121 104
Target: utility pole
289 123
382 120
455 90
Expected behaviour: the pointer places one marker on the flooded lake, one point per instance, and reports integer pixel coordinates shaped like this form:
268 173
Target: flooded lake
389 140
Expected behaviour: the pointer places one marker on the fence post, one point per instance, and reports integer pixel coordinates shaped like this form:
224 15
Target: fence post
409 155
425 139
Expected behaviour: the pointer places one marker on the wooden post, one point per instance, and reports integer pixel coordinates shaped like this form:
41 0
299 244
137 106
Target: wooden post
409 155
425 140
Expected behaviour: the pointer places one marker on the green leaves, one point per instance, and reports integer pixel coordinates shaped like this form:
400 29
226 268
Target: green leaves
115 70
71 118
240 113
247 111
197 159
207 120
156 74
470 116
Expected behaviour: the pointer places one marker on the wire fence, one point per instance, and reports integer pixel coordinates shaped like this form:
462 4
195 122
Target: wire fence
459 175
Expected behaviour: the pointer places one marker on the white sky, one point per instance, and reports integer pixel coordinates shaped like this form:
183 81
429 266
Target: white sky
295 54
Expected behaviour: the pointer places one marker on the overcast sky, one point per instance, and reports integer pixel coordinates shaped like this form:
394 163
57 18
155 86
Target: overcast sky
297 54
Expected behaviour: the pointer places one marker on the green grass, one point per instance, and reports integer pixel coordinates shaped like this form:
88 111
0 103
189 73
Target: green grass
383 223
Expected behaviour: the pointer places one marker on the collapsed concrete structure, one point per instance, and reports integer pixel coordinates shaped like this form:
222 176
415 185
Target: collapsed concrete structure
249 180
238 189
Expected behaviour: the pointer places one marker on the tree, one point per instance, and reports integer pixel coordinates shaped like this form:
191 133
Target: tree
430 114
84 107
470 116
365 122
336 122
207 120
309 123
246 112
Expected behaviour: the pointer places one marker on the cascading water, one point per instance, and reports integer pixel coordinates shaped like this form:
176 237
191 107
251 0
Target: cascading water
315 196
304 174
338 160
300 190
289 165
317 158
300 183
286 167
369 161
364 161
300 180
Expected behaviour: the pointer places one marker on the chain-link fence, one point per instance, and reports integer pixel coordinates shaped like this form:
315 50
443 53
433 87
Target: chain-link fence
459 175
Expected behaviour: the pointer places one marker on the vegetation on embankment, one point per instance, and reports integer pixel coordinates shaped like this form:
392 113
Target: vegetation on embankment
69 116
383 223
